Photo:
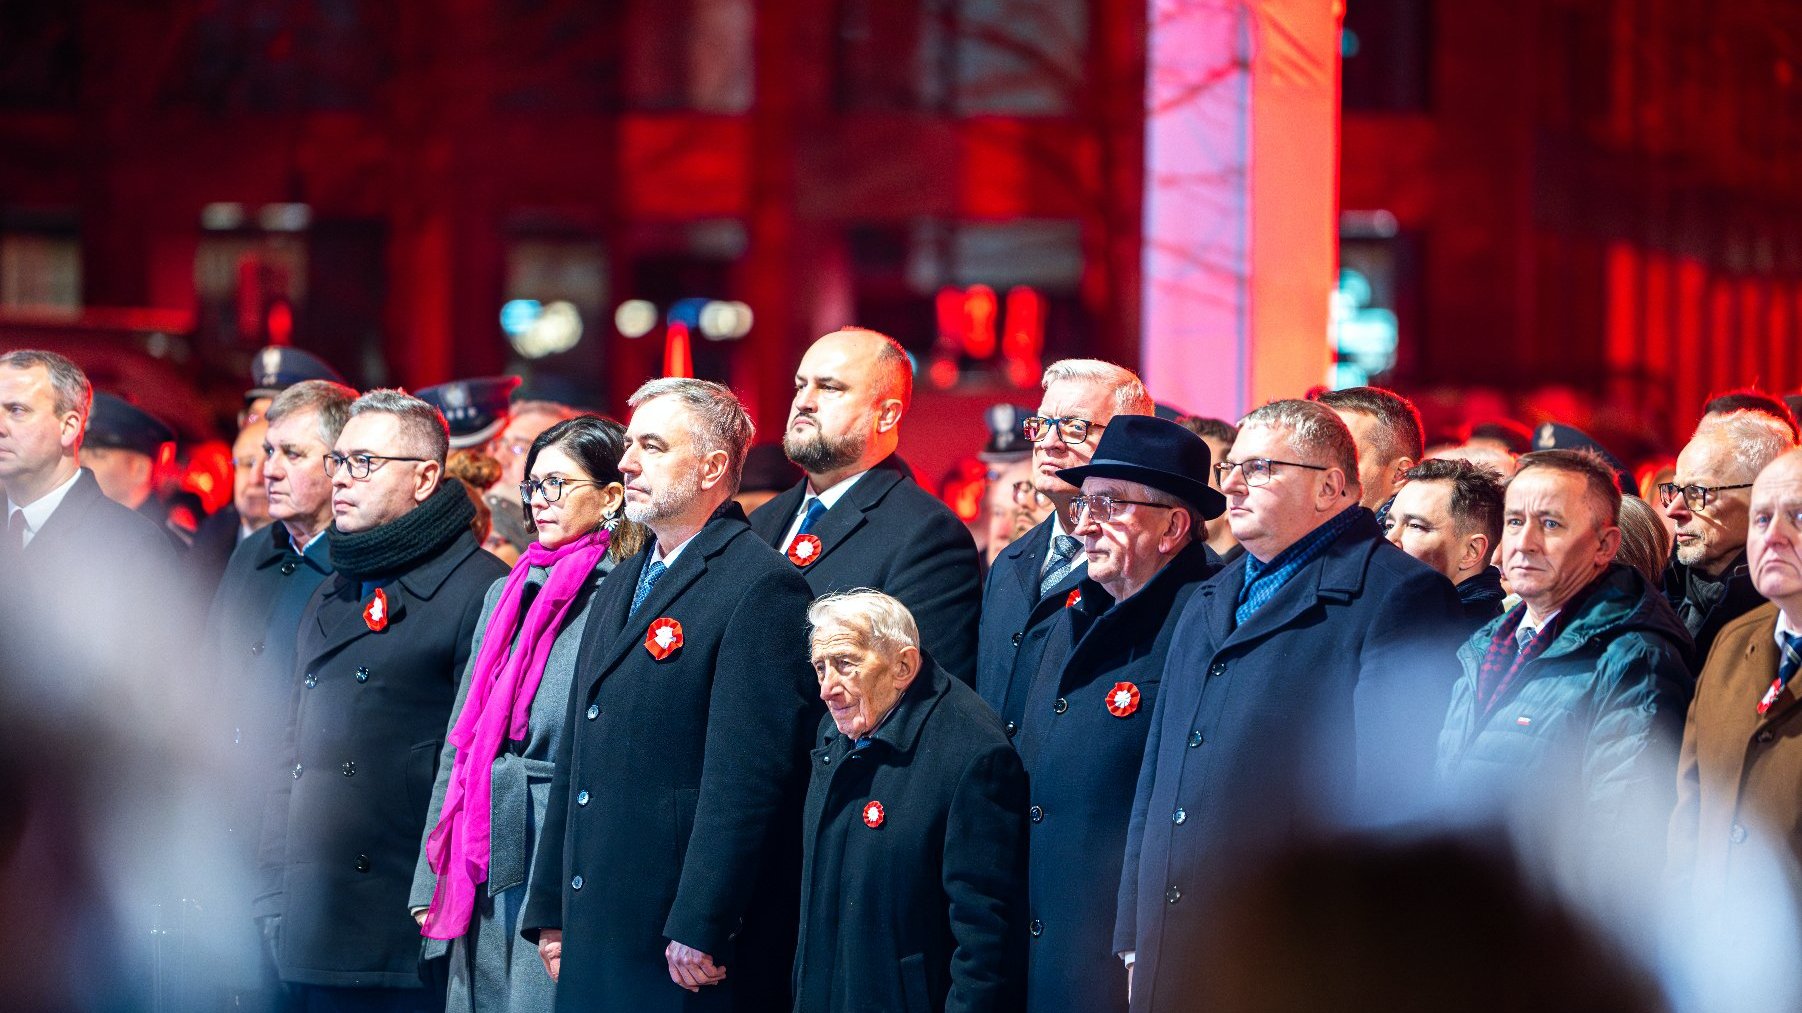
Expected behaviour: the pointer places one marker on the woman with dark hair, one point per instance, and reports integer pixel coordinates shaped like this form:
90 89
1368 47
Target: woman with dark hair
494 776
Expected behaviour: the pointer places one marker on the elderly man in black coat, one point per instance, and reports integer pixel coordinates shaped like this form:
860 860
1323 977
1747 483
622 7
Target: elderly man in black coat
381 647
1029 582
1142 518
858 519
1304 690
668 871
913 889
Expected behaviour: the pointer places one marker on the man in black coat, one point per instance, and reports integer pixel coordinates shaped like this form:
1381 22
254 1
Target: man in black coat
668 870
381 648
914 868
1031 579
1142 518
1304 689
858 519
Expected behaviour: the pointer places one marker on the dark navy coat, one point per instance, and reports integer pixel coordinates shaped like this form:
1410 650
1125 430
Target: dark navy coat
926 909
370 707
1083 758
1016 621
675 811
889 534
1321 710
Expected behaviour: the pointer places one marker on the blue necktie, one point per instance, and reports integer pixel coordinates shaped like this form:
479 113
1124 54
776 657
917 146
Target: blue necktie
645 580
814 509
1792 658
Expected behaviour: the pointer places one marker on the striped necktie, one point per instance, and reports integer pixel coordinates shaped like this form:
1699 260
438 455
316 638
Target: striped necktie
1060 562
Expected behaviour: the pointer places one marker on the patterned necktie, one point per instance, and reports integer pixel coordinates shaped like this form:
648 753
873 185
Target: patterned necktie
1786 670
645 580
814 509
1060 562
15 531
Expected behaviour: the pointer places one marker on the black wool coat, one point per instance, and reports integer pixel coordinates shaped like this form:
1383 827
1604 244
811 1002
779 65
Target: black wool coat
1083 760
676 807
1322 710
925 909
1016 621
342 831
889 534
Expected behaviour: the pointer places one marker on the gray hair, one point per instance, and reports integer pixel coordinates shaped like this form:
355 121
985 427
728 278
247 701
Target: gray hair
422 425
882 623
721 422
1757 439
73 392
1130 397
1314 431
331 400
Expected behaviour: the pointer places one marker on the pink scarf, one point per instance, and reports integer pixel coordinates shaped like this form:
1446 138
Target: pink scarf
496 708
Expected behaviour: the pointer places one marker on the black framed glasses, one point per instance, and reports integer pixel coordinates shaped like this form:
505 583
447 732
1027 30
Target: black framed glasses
1027 495
1102 508
1696 497
550 487
1069 428
360 465
1257 470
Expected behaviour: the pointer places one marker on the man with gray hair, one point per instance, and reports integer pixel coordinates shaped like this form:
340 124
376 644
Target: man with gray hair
1303 690
669 858
1031 578
380 648
1707 581
914 835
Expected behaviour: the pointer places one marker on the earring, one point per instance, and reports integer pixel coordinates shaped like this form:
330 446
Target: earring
611 521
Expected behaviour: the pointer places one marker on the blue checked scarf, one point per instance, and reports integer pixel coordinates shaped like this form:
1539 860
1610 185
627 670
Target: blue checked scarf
1264 580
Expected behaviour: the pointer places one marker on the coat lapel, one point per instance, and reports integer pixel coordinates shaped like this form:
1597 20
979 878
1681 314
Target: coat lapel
1027 554
64 526
772 520
1336 574
852 510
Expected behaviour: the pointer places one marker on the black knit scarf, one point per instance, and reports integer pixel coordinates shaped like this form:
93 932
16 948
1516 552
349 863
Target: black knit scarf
413 537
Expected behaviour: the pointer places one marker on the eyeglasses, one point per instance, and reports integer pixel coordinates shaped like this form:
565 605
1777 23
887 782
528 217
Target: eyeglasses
1101 508
1027 495
1069 428
1696 497
360 465
1257 470
550 487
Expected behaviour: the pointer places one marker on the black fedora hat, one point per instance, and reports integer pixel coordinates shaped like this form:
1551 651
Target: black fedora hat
1155 453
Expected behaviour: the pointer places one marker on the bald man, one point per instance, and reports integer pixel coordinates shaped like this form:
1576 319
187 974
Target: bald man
858 519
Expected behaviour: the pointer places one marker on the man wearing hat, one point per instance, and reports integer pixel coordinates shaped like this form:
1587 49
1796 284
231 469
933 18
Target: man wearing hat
474 409
275 369
122 445
1142 516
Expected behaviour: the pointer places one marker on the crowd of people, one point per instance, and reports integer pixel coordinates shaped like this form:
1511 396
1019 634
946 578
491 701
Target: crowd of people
502 706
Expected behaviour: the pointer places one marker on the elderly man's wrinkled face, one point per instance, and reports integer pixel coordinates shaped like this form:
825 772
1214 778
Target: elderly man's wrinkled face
1553 542
1079 399
858 684
393 487
300 492
1710 538
1774 539
1123 550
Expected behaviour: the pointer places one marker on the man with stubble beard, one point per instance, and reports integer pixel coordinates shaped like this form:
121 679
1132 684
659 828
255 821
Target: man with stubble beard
858 519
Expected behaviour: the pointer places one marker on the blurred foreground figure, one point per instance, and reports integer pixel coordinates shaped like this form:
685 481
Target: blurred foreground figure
1141 516
1570 708
1430 926
668 874
914 868
1303 688
380 652
859 519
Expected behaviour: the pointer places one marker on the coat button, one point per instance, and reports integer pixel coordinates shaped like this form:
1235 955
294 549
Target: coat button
297 772
1037 928
1017 638
288 567
825 759
575 882
582 797
362 863
1037 813
350 768
594 711
362 674
1195 738
256 649
1180 816
1216 669
1060 705
1173 895
1765 736
1738 835
311 680
1010 728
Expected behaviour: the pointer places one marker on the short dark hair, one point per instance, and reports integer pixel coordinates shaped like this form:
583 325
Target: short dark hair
1598 474
596 443
1403 433
1751 399
1476 494
1211 429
